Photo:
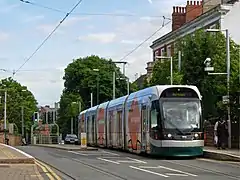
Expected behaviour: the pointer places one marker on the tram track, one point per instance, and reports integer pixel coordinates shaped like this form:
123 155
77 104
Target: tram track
90 166
204 169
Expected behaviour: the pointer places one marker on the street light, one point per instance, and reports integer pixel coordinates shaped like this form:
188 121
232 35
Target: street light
97 70
24 90
171 64
228 76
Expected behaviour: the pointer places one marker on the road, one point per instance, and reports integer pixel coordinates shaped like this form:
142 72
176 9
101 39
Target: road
112 165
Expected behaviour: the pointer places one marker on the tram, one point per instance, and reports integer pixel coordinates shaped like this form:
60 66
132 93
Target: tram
164 120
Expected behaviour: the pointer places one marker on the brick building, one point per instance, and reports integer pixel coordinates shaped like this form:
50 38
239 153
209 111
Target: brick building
197 15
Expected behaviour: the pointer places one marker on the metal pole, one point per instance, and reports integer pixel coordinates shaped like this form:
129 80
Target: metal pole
114 84
179 60
79 106
91 99
71 125
171 69
46 117
22 122
5 115
124 69
228 88
128 87
97 89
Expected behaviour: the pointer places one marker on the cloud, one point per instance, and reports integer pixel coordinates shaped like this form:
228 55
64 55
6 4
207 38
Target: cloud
4 36
48 28
8 8
99 37
73 20
33 18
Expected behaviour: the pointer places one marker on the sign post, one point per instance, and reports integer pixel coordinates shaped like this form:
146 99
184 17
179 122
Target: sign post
83 140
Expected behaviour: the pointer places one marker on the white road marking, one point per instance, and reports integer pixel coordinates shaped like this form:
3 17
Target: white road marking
151 172
173 174
107 160
137 160
78 153
170 169
111 153
127 161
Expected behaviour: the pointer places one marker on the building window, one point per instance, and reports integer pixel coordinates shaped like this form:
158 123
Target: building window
162 51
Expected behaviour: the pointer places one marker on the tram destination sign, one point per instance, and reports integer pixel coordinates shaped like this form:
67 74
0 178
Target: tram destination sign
179 93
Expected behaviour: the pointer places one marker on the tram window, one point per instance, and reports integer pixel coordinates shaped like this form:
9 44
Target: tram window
154 113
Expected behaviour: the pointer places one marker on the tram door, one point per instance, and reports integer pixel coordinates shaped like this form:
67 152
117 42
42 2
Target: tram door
119 128
144 125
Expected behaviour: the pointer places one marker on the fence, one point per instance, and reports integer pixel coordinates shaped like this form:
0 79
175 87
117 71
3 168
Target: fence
45 139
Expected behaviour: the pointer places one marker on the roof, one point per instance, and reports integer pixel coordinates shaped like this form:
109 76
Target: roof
211 16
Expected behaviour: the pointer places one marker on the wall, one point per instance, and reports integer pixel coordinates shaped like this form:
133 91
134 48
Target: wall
14 140
207 5
231 21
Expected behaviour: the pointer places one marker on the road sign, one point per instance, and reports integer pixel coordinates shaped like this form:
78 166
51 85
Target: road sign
225 99
83 140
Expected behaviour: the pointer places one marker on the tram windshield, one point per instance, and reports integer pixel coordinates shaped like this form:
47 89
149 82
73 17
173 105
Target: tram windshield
182 114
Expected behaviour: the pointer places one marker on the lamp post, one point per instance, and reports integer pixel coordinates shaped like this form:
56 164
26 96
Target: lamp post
97 70
228 61
22 115
171 65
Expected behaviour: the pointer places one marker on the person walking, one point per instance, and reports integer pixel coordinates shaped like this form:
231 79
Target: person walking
221 131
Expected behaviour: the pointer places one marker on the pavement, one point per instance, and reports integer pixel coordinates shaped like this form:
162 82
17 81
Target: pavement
222 155
18 165
112 165
67 147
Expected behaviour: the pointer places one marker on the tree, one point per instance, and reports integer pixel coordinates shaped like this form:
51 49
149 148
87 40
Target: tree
80 78
195 49
68 109
17 96
162 75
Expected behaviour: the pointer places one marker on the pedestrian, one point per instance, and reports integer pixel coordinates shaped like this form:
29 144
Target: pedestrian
221 131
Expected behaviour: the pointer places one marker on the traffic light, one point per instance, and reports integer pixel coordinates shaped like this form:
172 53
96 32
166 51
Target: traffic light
36 116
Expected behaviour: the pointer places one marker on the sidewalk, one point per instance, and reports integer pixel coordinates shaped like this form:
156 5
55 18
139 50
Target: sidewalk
17 165
223 155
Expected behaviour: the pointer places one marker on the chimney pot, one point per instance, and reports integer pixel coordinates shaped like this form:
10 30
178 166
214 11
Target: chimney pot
188 3
194 3
177 9
191 3
198 3
174 9
183 9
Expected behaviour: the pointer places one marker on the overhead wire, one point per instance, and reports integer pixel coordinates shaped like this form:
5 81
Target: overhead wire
86 14
45 40
155 32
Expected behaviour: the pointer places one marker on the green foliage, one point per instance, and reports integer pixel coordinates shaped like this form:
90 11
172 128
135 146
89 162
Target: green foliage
17 96
196 48
162 75
69 108
80 78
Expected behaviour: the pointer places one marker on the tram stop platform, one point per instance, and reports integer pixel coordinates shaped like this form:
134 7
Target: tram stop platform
67 147
17 165
222 154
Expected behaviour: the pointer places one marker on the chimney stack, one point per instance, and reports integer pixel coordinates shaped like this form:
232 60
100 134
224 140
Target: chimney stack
178 17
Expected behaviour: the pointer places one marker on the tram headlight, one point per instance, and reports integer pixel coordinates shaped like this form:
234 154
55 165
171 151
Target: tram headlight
169 135
196 136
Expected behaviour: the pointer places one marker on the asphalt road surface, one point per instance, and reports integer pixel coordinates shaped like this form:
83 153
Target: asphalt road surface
112 165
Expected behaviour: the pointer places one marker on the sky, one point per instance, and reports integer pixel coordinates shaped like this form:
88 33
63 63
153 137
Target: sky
23 27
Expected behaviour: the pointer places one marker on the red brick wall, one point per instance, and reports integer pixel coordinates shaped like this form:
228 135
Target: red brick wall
193 10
